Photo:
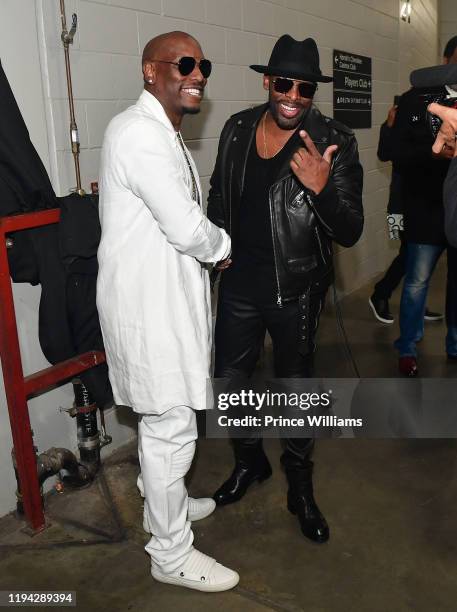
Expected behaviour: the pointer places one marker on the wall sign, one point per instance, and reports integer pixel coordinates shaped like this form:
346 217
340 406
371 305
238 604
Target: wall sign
352 89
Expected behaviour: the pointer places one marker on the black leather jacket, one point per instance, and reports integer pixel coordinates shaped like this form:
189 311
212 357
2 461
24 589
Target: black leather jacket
303 223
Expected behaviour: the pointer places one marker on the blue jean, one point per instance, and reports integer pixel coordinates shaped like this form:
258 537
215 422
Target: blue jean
421 260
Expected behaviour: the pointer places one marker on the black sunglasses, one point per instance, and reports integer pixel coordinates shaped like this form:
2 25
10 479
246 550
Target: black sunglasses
187 64
306 90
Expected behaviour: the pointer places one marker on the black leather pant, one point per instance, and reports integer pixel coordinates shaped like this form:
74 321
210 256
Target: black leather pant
240 332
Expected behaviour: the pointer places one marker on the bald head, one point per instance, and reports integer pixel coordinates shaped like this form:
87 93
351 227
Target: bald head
163 77
160 44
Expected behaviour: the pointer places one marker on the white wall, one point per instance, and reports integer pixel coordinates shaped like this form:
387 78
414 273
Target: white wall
418 40
448 21
107 78
235 33
20 56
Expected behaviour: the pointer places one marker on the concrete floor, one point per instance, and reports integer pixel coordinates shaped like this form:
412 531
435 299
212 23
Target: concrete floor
390 505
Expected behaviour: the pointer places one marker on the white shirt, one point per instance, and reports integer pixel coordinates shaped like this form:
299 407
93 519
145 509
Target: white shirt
152 291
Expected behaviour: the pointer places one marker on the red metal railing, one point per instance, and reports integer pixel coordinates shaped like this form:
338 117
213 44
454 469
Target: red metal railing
17 388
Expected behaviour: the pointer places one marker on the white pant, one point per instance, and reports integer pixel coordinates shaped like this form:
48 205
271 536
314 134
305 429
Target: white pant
166 446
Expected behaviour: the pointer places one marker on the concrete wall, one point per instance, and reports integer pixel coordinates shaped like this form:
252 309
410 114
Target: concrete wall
107 78
418 40
235 33
21 40
448 21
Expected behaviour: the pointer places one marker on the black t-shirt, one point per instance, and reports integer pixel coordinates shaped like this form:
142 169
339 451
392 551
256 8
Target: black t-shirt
252 271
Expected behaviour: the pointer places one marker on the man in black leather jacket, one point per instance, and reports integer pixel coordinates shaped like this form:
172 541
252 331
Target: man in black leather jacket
287 182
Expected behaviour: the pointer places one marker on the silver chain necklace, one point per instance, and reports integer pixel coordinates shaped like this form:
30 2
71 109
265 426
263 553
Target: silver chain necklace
195 191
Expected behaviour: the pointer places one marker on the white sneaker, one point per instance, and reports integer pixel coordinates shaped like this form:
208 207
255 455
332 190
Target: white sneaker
198 509
201 573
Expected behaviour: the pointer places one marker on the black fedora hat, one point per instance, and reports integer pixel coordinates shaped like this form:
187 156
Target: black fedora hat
294 59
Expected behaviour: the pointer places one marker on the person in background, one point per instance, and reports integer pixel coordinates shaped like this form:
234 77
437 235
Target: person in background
153 298
379 301
423 173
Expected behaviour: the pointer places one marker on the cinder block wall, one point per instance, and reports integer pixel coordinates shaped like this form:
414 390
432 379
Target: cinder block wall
107 78
234 33
448 21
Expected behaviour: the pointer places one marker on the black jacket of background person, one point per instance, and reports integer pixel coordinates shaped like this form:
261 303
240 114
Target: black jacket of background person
303 223
422 174
450 204
385 146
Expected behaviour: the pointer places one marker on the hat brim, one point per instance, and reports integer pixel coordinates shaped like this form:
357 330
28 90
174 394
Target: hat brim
291 74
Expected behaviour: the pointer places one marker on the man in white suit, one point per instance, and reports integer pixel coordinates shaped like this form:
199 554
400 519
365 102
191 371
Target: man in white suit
153 297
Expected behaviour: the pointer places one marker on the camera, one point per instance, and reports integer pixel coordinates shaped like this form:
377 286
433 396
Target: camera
431 85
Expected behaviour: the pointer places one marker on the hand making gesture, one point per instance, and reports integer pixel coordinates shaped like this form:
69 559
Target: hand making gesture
310 167
447 136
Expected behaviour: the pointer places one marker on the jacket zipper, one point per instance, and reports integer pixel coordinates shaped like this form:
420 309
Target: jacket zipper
230 200
320 244
278 297
297 198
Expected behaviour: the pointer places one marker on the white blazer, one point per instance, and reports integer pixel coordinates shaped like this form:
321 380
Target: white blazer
152 291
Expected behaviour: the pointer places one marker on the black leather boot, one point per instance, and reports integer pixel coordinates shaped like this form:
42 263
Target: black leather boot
251 464
300 501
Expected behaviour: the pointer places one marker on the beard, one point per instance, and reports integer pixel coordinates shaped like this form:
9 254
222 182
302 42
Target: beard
186 110
285 123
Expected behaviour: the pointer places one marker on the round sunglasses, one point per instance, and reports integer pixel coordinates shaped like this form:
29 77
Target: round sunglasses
282 85
186 65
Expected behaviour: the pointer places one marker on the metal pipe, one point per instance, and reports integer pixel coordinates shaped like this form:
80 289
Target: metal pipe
56 459
86 422
67 40
51 463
